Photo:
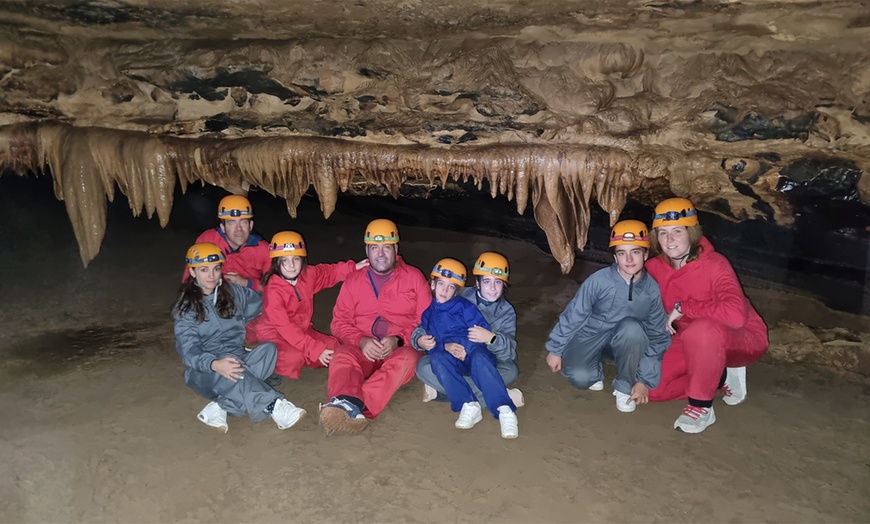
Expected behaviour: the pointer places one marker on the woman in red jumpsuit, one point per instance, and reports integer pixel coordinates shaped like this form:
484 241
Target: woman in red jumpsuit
715 331
288 305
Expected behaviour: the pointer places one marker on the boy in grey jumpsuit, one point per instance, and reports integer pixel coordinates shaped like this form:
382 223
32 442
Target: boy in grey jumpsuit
617 313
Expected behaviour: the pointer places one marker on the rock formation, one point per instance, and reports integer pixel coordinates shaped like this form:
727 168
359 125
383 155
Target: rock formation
557 105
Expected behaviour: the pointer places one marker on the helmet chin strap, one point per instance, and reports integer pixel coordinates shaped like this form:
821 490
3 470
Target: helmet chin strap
215 292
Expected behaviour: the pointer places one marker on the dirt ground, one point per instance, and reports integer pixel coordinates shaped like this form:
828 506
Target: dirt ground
98 426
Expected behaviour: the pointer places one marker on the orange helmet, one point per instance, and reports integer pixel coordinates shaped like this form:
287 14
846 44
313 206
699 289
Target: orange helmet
492 264
235 206
675 212
287 243
629 233
204 254
382 231
451 269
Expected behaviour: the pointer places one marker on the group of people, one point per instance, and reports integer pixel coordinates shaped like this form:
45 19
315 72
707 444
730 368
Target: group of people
678 326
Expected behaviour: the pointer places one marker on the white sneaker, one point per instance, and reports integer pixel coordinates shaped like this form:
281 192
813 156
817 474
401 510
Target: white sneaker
285 414
215 416
429 393
469 416
598 386
694 419
622 403
735 386
517 397
507 419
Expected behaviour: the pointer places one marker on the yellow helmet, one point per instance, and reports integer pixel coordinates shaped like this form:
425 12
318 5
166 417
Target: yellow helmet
204 254
287 243
675 212
629 233
492 264
382 231
235 206
451 269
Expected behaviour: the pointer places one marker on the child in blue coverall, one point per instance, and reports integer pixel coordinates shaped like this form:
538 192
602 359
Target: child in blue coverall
445 325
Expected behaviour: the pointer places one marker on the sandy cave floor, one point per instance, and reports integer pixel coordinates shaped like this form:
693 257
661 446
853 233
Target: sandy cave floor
98 426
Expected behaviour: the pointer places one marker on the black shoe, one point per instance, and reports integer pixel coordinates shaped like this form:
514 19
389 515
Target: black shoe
274 380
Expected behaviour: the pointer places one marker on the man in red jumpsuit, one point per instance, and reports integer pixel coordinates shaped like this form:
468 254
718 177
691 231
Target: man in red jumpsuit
376 311
246 252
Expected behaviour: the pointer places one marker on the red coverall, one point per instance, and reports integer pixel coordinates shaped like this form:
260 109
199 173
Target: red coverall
286 317
399 303
719 326
251 261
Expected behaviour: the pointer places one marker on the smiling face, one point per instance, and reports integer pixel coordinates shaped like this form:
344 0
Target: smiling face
207 277
629 259
490 288
443 289
673 241
382 257
291 266
237 231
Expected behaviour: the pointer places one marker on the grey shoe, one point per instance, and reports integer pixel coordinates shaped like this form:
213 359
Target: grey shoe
695 419
735 386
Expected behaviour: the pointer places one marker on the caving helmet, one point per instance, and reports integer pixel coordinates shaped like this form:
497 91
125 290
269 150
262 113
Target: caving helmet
382 231
675 212
287 243
629 233
451 269
235 206
204 254
492 264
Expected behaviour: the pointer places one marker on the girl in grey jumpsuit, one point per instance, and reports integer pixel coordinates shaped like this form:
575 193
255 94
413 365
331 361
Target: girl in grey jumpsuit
210 319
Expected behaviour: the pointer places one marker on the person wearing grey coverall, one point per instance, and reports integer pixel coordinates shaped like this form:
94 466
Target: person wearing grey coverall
200 344
617 313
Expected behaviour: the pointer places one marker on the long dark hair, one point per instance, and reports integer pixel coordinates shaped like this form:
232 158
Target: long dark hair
275 269
190 299
695 249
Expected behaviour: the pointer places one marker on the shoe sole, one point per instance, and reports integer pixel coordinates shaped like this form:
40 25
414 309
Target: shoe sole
474 422
694 430
336 420
732 402
517 397
300 417
222 429
509 437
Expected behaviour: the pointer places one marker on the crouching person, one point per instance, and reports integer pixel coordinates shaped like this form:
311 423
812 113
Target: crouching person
443 333
210 317
617 314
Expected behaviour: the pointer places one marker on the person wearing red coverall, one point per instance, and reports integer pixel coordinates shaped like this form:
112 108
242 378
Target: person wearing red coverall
247 254
288 305
374 316
716 331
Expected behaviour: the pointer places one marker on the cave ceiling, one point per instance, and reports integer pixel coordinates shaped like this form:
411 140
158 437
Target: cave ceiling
558 106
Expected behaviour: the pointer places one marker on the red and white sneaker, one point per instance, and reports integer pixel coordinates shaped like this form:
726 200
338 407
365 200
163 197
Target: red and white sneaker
735 386
695 419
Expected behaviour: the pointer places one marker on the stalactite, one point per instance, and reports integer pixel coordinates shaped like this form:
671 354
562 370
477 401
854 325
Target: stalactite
88 163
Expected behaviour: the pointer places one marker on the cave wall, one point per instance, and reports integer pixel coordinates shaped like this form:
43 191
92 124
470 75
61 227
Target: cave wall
739 105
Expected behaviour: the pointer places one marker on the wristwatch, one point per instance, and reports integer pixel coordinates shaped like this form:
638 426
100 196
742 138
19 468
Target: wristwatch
492 340
678 308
